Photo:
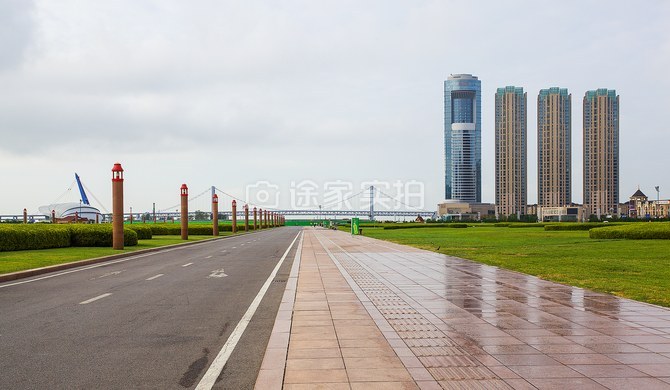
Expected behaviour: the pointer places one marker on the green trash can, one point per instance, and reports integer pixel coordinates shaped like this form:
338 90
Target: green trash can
355 226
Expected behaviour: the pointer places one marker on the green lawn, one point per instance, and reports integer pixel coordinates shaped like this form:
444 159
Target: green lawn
23 260
636 269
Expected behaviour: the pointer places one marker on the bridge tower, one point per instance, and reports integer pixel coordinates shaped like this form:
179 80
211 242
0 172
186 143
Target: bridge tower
372 203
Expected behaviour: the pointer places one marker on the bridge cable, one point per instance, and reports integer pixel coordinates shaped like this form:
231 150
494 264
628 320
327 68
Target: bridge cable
346 199
64 193
242 200
401 202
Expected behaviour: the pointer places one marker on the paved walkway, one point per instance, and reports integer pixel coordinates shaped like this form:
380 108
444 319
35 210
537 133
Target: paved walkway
360 313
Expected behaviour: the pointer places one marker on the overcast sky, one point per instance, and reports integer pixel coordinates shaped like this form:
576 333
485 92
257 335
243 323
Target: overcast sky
229 93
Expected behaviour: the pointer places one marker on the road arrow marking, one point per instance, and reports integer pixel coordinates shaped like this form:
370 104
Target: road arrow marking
217 273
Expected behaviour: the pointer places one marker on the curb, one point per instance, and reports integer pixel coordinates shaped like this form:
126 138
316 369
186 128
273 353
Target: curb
79 263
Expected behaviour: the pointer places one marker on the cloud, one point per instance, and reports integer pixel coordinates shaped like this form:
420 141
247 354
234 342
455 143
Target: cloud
338 89
16 31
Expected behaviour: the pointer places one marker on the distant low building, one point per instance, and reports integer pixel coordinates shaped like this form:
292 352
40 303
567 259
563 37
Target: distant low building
463 211
640 206
573 213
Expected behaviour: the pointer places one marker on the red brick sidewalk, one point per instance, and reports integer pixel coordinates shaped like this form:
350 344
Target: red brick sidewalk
362 313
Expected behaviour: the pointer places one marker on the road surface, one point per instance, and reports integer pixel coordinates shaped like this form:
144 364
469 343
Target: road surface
156 320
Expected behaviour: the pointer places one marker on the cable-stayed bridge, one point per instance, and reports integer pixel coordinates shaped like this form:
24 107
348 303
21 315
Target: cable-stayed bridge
332 210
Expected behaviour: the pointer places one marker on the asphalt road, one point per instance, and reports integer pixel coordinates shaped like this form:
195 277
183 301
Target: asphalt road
153 321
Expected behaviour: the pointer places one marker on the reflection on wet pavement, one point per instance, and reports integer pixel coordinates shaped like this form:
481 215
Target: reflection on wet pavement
477 326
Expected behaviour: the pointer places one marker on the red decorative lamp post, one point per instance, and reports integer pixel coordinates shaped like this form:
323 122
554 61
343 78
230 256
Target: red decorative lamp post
234 216
184 212
117 206
215 215
246 217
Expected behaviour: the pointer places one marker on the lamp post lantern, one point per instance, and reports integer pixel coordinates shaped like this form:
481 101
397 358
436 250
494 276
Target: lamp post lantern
117 206
184 212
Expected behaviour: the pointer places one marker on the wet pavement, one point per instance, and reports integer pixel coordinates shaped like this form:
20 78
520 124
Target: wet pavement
361 313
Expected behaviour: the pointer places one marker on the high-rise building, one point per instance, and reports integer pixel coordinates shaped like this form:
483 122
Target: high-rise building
463 138
511 151
554 128
601 152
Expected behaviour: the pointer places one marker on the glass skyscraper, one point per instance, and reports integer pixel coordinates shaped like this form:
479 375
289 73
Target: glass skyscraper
601 152
463 138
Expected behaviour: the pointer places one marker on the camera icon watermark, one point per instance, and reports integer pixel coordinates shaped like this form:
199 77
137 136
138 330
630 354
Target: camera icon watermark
264 194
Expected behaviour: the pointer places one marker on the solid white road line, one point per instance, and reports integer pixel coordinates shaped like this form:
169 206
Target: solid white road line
209 379
154 277
95 299
187 264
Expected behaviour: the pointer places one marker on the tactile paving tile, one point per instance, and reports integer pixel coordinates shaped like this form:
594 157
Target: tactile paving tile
404 316
436 351
449 361
409 321
414 328
422 335
460 373
487 384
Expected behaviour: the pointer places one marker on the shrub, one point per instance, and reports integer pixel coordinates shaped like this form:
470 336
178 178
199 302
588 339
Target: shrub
163 229
420 226
24 237
143 231
170 229
44 236
525 225
501 224
577 226
98 236
638 231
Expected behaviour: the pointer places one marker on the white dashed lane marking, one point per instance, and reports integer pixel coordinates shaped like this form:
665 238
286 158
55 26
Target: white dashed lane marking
155 277
187 264
95 299
208 257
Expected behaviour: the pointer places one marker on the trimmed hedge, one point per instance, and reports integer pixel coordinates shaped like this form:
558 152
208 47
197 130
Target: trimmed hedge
24 237
501 224
526 224
98 235
432 225
174 229
143 231
578 226
44 236
638 231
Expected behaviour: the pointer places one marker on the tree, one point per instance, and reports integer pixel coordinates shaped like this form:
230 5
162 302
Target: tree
201 215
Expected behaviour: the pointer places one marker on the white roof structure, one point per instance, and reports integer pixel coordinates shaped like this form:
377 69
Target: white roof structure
64 210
